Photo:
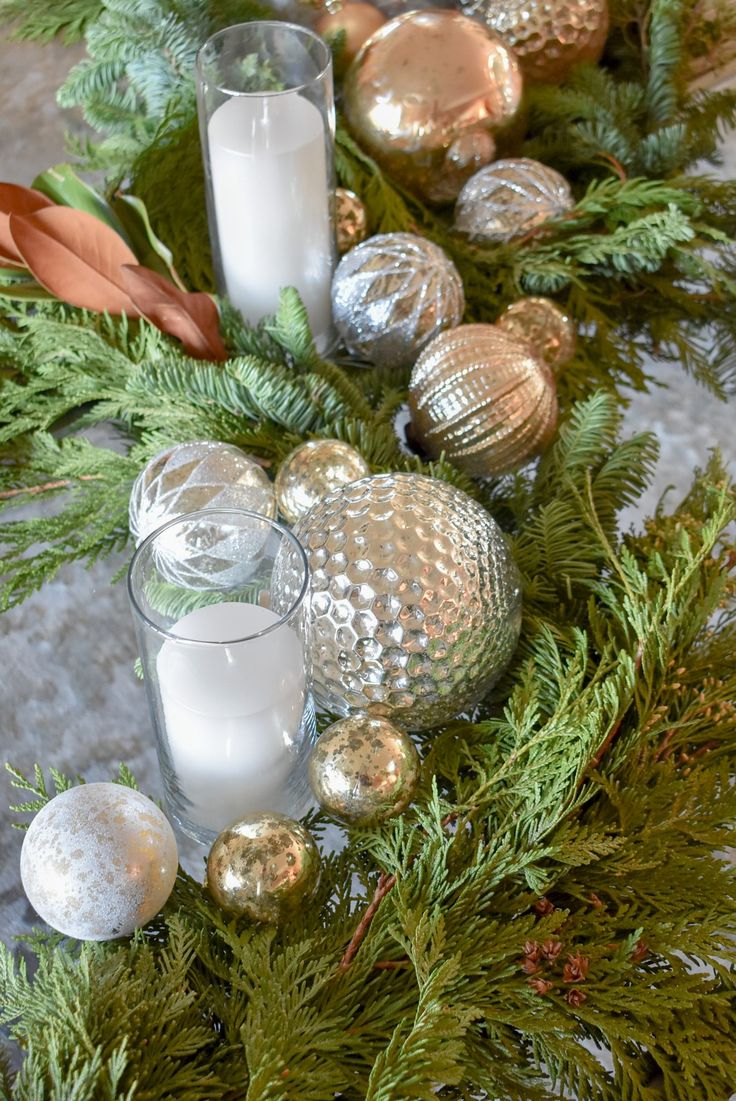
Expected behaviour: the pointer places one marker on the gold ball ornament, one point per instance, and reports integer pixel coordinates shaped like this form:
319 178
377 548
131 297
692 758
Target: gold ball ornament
426 97
480 395
549 332
509 198
364 770
263 867
311 471
357 19
549 37
98 861
351 219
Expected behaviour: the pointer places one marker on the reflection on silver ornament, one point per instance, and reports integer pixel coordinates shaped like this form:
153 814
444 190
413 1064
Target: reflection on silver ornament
509 198
392 294
426 95
98 861
311 471
549 37
264 867
416 601
550 332
364 770
351 219
480 395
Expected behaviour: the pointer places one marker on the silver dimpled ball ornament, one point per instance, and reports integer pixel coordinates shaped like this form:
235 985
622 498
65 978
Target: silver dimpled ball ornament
364 770
392 294
98 861
549 331
263 867
509 198
311 471
479 395
416 601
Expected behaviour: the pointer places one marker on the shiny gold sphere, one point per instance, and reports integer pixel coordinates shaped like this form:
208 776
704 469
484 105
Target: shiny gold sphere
549 331
351 218
357 19
364 770
311 471
263 867
426 95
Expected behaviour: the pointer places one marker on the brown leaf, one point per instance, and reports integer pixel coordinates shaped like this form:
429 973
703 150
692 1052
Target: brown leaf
15 199
191 317
75 256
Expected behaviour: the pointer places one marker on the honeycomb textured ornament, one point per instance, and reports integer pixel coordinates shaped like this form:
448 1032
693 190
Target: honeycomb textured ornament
509 198
428 95
549 37
311 471
549 331
416 601
479 395
392 294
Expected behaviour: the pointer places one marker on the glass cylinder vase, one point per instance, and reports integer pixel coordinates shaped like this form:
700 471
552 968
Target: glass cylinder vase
267 125
220 604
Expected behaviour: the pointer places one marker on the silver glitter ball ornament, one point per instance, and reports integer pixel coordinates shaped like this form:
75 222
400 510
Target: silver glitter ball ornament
509 198
392 294
351 219
549 331
416 601
311 471
480 396
98 861
264 867
364 770
549 37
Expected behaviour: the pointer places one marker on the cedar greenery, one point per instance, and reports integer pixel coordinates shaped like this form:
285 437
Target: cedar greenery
558 889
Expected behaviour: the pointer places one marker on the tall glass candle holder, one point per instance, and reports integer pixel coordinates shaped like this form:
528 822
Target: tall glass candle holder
220 602
267 125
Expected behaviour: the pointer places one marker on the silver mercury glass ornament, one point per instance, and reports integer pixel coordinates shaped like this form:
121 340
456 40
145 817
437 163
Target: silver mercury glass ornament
509 198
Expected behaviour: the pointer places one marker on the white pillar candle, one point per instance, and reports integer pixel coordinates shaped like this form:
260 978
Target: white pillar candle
233 711
270 186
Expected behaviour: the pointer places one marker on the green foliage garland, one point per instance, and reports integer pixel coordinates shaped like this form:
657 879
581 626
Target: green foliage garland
558 890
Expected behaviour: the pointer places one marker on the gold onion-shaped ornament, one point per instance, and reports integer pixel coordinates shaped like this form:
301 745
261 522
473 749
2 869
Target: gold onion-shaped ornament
481 396
428 94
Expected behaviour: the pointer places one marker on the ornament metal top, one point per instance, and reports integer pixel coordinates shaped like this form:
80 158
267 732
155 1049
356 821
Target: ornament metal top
507 199
311 471
426 95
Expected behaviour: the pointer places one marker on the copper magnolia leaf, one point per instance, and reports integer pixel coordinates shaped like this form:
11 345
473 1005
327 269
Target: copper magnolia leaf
15 199
191 317
76 257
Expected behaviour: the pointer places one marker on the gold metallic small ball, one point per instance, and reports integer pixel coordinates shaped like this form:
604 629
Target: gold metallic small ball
427 95
357 19
313 470
351 219
364 770
549 331
263 867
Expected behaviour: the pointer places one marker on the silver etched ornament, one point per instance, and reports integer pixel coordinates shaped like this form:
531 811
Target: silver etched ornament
98 861
549 37
351 219
416 601
509 198
480 396
313 470
265 867
549 331
392 294
363 770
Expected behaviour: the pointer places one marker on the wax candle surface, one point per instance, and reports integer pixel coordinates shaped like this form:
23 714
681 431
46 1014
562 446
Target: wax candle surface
233 711
270 189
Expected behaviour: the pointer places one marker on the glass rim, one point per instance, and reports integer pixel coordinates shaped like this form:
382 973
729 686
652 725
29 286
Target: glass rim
302 32
200 513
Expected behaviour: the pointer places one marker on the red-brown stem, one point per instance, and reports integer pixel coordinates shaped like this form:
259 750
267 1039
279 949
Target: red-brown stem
6 493
385 884
618 168
390 965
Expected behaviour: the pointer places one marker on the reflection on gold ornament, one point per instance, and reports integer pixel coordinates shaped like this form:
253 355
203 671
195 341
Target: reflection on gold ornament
311 471
357 19
351 219
548 330
426 95
480 395
548 38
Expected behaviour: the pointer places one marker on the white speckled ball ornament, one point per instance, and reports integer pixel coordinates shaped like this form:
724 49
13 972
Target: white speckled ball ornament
392 294
509 198
98 861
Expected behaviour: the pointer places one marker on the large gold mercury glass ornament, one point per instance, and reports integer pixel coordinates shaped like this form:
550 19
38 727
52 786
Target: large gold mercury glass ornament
428 95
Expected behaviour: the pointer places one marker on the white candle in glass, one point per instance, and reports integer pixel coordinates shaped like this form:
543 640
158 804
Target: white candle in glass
268 164
232 711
